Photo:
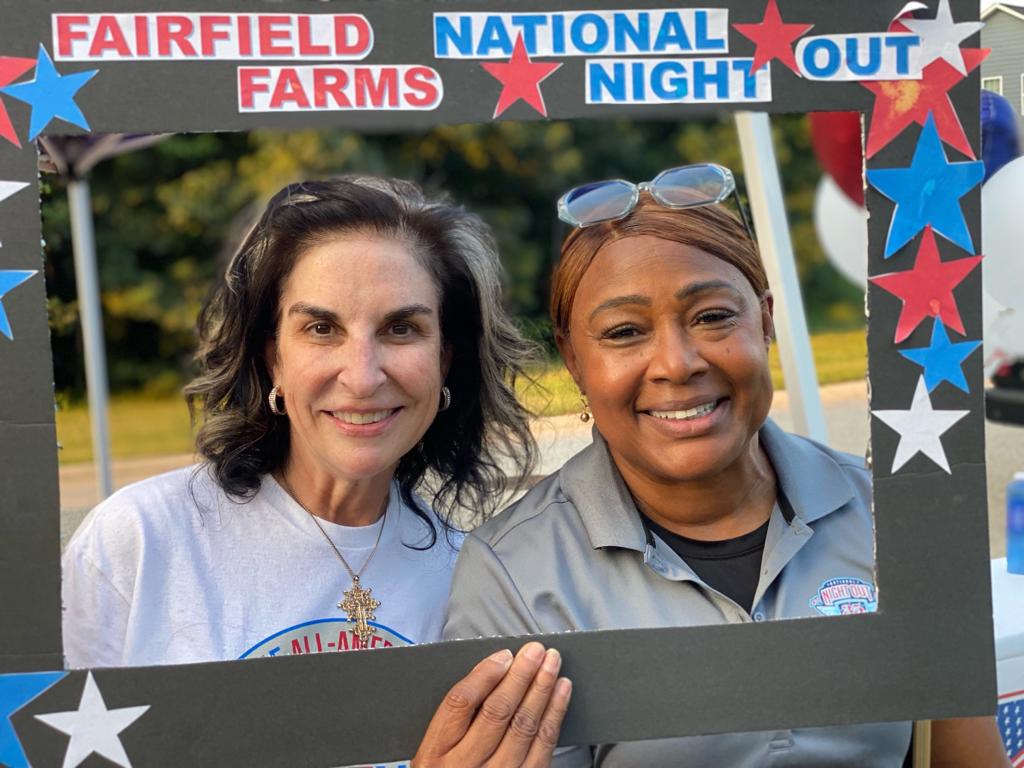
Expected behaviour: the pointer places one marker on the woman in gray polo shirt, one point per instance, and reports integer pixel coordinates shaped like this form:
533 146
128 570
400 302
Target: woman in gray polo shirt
690 507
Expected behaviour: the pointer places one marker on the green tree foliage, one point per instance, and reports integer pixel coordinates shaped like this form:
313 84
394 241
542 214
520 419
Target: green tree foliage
166 217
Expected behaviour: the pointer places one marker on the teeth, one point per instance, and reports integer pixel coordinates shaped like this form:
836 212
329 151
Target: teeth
350 417
690 413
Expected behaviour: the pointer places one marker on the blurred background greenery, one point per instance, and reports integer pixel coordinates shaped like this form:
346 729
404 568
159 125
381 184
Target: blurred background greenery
167 217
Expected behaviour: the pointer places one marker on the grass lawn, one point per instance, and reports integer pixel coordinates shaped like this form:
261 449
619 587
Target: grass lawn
157 426
138 427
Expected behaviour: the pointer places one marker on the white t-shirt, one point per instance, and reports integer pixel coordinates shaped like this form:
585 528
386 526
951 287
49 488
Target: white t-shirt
169 572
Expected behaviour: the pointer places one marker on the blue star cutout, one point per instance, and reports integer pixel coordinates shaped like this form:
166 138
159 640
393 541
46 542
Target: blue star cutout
51 95
10 278
942 360
928 192
15 692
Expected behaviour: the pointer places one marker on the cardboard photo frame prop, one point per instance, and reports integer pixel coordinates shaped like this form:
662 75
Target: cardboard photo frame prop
196 65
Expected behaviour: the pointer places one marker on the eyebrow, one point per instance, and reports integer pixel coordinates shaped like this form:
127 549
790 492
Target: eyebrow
404 313
708 286
320 313
618 301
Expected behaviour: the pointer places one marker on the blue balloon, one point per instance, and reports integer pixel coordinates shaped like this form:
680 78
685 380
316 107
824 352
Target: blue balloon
1000 141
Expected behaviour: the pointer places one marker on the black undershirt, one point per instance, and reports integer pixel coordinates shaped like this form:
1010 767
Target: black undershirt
730 566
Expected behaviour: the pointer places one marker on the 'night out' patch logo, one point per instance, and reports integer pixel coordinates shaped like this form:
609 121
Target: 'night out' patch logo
845 595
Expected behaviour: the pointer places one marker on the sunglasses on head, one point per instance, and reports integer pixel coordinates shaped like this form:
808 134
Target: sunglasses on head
688 186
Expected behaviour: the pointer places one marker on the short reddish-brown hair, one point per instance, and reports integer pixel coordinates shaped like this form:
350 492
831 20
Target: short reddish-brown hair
713 229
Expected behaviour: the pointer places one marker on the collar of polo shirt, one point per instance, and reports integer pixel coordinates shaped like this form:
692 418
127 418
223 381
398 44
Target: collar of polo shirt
813 482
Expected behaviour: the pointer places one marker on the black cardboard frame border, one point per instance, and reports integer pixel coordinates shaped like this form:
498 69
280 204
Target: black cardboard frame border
927 653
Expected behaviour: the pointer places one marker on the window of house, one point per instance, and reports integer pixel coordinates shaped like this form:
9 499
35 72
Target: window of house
994 84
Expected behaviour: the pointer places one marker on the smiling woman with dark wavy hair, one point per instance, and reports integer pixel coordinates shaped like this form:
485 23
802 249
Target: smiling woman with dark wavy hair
458 455
355 353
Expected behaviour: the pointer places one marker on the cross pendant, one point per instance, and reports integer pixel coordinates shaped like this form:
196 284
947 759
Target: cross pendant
359 607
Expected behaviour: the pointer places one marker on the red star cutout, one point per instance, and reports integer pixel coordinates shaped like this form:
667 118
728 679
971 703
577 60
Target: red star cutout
774 39
898 103
927 289
11 69
520 79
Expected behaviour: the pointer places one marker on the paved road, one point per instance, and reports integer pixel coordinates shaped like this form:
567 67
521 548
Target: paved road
562 436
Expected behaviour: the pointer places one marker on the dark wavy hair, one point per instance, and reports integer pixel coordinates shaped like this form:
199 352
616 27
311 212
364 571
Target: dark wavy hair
474 451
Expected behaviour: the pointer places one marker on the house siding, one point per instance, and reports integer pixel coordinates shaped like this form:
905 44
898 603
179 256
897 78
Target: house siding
1004 34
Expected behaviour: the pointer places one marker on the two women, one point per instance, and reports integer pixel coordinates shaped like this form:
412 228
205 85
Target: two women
357 349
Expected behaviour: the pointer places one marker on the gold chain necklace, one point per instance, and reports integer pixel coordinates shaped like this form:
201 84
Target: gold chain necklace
357 603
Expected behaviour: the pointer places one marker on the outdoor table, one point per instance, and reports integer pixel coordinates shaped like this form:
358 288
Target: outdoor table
1008 620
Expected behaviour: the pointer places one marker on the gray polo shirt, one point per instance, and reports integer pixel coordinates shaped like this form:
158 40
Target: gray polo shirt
573 555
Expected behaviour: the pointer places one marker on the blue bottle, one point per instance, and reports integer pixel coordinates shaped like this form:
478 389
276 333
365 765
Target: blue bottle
1015 524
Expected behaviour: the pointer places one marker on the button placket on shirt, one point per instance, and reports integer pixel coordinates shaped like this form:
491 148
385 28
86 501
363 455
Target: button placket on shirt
779 551
730 610
780 741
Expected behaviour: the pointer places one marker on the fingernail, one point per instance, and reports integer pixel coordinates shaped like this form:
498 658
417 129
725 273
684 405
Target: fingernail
563 688
552 661
533 651
502 657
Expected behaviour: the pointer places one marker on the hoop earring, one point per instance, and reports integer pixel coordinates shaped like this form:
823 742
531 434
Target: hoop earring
585 414
446 399
272 398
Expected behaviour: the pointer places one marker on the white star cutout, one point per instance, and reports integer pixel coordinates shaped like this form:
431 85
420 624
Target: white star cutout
8 188
93 727
920 429
941 37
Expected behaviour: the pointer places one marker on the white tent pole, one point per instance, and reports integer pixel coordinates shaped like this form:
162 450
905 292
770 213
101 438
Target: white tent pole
764 189
89 309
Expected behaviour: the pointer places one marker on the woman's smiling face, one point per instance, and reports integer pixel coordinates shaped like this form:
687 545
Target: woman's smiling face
359 355
670 346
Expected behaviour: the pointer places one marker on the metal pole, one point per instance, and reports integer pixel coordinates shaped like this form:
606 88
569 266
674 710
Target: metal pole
87 282
764 189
